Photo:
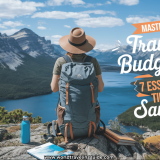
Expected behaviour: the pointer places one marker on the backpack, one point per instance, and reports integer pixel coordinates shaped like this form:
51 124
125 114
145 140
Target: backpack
78 111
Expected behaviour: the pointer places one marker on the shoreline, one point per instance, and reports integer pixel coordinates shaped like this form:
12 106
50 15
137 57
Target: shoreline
104 68
140 127
5 99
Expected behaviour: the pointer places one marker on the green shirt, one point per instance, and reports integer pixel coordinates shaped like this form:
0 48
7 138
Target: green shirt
76 58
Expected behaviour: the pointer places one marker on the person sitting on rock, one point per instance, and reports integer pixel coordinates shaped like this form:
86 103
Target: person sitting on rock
78 79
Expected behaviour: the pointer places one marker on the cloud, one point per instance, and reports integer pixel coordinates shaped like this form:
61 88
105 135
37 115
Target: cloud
127 2
67 26
75 3
65 15
99 4
64 2
12 24
100 12
41 23
60 15
9 32
140 19
99 22
28 25
56 36
2 26
41 27
157 39
54 39
16 8
104 46
108 2
88 5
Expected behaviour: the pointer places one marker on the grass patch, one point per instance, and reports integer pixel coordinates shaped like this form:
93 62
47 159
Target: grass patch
34 126
152 157
43 141
58 139
17 128
8 144
46 123
153 139
8 136
137 137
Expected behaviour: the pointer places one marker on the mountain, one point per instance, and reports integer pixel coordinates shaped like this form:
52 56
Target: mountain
33 44
27 61
111 57
12 48
58 49
26 64
10 52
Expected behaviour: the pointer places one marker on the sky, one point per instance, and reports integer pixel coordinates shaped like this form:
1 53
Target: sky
105 20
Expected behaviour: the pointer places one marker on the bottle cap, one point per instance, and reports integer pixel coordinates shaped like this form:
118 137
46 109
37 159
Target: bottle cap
25 118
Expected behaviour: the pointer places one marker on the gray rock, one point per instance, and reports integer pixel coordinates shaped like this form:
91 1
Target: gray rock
2 132
9 125
137 156
112 155
121 156
50 139
124 151
134 149
97 146
18 152
113 146
144 155
150 134
14 149
140 148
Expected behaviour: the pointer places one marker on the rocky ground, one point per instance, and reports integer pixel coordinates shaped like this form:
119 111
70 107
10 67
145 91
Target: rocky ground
15 150
150 134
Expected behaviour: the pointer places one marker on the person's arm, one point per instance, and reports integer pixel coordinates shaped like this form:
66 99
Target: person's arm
101 83
98 74
56 74
54 83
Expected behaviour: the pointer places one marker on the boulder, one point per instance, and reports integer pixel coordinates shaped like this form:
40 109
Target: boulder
150 134
2 133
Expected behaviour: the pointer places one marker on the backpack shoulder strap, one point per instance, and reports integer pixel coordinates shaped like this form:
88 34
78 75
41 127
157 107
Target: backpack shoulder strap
102 131
67 58
88 59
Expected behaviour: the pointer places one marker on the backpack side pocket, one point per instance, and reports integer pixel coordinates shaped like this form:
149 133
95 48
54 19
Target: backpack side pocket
60 114
97 112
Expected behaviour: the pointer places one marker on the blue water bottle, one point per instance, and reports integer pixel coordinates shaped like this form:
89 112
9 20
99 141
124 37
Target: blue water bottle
25 130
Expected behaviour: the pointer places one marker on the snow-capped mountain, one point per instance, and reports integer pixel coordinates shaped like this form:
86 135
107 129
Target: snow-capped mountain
111 56
10 52
13 49
59 49
33 44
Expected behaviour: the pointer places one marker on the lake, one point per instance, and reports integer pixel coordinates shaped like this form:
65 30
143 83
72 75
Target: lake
118 96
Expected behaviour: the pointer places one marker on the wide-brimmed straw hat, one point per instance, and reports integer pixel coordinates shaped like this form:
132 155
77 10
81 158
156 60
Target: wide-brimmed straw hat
77 42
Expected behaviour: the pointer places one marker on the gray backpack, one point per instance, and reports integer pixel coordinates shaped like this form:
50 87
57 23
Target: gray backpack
78 111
